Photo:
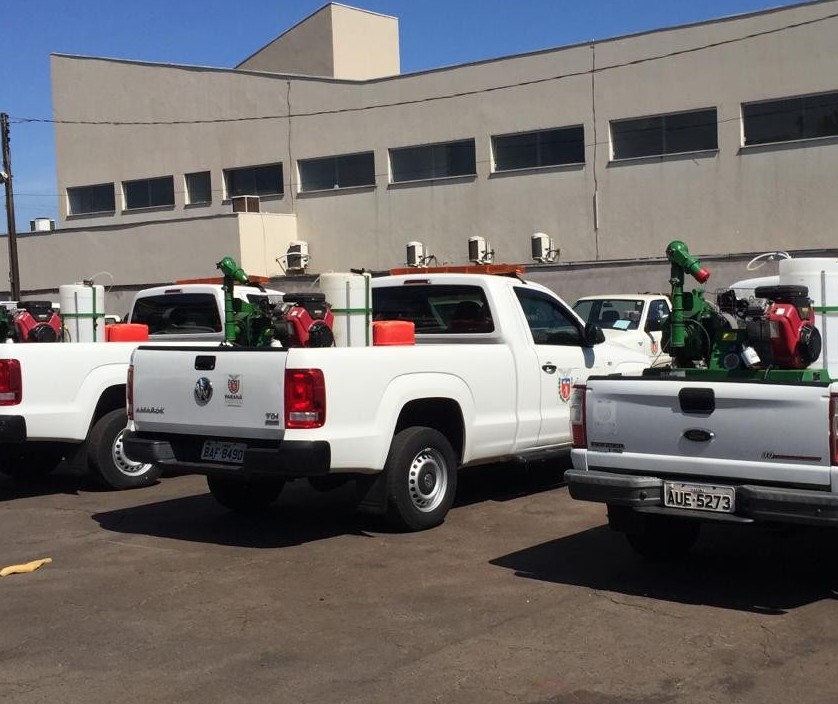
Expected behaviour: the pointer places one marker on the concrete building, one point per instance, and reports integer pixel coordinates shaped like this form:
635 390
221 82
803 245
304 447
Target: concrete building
723 134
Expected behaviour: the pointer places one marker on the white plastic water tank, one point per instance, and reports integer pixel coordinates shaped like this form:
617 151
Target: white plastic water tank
83 311
350 296
820 276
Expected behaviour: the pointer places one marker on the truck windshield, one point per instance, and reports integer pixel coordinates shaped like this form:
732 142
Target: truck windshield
435 309
611 313
178 314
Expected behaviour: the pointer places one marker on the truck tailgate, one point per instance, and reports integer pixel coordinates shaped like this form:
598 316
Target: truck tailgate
212 391
740 430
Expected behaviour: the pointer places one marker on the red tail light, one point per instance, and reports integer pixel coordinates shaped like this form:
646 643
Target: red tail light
305 398
577 417
11 384
833 428
129 393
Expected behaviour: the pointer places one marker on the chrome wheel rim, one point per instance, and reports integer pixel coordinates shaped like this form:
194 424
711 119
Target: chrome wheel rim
121 461
427 480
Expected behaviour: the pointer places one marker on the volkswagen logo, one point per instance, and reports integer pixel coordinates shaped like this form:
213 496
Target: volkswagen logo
203 391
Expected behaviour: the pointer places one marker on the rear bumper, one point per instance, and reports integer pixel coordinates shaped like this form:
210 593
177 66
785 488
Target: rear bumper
181 453
12 429
753 502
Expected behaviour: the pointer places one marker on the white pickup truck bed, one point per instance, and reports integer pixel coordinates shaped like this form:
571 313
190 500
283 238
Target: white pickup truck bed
663 451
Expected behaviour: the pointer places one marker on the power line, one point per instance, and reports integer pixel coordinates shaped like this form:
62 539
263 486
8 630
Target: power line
449 96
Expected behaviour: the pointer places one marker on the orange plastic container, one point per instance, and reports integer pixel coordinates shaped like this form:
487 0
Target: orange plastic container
393 332
126 332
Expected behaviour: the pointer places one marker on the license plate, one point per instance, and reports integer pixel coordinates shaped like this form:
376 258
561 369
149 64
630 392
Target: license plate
699 497
221 451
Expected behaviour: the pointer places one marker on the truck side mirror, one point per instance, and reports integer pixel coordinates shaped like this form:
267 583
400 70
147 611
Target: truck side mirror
593 335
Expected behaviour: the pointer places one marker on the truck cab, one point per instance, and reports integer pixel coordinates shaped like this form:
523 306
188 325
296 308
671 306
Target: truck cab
633 320
189 312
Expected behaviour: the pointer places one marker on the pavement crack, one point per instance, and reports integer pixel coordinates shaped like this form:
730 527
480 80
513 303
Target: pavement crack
639 607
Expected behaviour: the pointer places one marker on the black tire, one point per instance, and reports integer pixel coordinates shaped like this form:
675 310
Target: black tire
244 495
421 479
663 538
31 461
107 464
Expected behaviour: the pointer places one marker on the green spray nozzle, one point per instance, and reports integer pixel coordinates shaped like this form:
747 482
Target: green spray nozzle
680 256
229 268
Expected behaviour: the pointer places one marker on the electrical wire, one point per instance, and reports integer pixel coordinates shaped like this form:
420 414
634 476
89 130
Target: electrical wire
448 96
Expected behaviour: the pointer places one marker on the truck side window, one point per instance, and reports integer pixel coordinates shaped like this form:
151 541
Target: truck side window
435 309
658 314
549 322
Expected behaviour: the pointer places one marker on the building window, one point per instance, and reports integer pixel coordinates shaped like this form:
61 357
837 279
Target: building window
331 172
198 188
254 181
433 161
84 200
785 120
675 133
149 192
528 150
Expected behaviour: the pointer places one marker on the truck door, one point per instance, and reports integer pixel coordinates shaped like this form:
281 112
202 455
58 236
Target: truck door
557 335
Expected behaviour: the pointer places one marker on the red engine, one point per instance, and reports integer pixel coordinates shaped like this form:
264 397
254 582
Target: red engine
36 321
785 333
306 321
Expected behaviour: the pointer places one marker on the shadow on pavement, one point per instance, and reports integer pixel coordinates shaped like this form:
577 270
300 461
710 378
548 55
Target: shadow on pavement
509 480
760 569
64 480
301 515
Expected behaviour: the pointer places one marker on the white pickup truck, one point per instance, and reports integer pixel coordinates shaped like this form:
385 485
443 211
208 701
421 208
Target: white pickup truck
488 379
675 448
634 320
67 399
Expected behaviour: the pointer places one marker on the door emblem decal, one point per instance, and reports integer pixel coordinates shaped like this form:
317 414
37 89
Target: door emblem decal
203 391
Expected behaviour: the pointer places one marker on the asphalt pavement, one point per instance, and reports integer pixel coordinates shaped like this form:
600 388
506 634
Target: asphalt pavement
523 595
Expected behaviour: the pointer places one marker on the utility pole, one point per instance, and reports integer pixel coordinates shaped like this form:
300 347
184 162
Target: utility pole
6 178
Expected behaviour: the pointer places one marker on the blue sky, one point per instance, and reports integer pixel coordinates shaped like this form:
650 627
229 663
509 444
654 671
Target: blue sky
218 33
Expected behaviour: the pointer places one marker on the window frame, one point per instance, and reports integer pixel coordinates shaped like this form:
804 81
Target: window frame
226 172
433 146
149 183
336 159
78 189
662 117
527 296
188 193
538 147
801 116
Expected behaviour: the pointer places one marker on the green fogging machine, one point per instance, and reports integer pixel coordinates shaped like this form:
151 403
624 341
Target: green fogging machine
773 331
299 320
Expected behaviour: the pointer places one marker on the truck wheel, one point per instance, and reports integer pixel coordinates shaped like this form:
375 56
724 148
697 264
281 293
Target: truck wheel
664 539
108 465
245 495
421 479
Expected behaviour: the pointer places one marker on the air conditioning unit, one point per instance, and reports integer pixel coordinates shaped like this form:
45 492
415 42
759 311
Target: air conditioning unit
415 254
543 248
480 251
245 204
297 256
42 225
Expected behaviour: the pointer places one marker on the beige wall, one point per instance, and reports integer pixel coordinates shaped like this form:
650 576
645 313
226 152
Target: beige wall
336 41
737 201
263 238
